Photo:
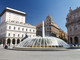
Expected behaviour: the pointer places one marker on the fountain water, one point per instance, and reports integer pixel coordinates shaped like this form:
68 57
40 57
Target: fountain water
42 43
43 30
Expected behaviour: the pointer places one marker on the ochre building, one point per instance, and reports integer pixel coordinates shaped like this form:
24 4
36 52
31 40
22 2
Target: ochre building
51 29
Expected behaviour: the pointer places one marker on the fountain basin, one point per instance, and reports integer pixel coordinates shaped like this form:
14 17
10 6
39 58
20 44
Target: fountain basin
42 43
40 49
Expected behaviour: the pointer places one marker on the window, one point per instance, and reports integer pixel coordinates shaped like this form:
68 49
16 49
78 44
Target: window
9 34
9 27
18 35
70 29
22 35
49 19
18 28
33 30
26 29
22 29
30 30
13 35
74 16
30 35
14 28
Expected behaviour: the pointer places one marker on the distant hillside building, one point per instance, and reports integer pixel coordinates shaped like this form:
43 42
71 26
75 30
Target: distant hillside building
51 29
73 26
13 27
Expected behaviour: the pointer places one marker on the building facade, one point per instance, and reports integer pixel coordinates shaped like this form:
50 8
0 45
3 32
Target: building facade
51 29
73 26
13 27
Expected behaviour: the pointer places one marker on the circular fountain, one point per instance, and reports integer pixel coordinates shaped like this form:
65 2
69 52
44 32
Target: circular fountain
42 43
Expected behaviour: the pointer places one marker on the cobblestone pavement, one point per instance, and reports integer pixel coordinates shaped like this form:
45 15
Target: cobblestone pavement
39 55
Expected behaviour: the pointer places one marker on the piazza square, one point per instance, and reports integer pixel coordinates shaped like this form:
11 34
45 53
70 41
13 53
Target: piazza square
39 30
39 55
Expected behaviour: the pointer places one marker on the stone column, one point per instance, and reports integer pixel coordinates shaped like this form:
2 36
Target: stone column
11 43
6 41
20 40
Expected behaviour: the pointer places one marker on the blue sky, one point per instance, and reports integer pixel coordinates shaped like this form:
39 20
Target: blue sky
38 10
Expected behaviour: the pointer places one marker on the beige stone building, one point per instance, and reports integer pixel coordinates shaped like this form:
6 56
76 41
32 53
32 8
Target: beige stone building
51 29
73 26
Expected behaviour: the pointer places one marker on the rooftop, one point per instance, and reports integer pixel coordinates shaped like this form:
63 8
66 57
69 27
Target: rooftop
13 10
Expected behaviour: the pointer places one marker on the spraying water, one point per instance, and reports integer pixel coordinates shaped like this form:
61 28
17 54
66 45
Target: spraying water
43 29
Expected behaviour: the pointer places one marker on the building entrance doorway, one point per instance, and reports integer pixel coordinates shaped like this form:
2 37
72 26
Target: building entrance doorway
76 40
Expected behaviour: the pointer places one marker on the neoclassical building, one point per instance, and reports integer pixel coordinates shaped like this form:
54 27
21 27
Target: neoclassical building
51 29
73 26
13 27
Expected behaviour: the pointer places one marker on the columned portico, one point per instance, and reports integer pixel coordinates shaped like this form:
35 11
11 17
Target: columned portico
11 41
